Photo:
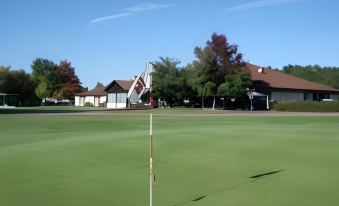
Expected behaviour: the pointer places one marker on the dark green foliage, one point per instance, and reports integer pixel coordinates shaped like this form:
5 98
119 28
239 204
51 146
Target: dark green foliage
47 80
88 104
218 70
99 85
54 80
20 83
315 73
307 106
235 85
46 73
214 62
171 82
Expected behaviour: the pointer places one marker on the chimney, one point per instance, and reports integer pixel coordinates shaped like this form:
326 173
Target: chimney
261 70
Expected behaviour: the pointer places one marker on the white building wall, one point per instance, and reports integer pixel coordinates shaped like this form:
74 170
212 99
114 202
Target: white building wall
103 99
96 101
89 99
287 96
81 100
77 101
116 105
117 100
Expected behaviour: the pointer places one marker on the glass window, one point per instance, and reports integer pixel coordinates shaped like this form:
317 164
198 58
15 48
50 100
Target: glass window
121 97
111 98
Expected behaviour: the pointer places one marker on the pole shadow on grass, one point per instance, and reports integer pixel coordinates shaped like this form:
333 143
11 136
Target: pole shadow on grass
254 178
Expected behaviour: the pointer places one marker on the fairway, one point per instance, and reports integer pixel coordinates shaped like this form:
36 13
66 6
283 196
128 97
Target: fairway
102 159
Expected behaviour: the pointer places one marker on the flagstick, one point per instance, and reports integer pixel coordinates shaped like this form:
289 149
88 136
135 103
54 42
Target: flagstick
151 179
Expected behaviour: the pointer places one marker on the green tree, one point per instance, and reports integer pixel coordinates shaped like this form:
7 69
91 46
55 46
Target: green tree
184 84
6 80
214 62
42 89
315 73
46 71
165 79
99 85
17 82
235 85
24 86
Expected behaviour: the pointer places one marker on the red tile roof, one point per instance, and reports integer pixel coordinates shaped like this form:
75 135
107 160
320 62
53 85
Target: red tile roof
277 79
93 92
125 84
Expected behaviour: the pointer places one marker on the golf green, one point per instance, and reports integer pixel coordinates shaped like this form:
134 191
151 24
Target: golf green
80 160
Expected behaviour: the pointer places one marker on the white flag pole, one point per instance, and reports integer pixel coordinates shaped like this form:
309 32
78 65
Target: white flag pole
151 178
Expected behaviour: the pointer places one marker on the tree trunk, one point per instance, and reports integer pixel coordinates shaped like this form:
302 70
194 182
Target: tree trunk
213 102
202 102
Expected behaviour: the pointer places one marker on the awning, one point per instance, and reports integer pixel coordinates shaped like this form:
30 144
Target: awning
256 94
3 94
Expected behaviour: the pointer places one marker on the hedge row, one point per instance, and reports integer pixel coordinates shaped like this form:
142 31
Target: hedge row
307 106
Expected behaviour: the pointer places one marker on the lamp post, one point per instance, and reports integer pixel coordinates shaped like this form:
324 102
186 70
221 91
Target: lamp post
250 94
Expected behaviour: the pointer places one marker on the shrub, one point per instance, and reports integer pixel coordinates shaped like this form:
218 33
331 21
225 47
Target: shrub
88 104
307 106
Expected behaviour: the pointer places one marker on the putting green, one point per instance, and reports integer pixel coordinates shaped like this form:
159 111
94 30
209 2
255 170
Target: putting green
79 160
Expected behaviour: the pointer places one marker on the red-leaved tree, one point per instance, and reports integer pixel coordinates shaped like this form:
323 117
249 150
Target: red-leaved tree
69 82
214 62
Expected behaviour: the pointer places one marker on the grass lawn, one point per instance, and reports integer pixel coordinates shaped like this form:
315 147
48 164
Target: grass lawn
99 160
49 109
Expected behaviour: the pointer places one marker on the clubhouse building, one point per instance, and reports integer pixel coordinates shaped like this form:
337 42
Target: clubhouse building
280 87
119 94
268 86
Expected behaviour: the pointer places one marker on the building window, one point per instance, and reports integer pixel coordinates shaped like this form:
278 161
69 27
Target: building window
121 97
111 97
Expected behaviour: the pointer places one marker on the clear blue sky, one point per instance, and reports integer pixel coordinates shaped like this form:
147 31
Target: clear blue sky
112 39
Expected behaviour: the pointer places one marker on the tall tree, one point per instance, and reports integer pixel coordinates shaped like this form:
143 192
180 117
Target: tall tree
46 71
99 85
69 83
235 85
17 82
215 61
42 89
24 85
6 80
315 73
165 79
184 83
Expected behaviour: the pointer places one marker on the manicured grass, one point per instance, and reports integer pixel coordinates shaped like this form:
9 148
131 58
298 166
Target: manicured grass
79 160
49 109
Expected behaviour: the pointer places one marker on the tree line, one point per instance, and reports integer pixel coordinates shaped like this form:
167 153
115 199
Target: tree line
315 73
47 80
217 71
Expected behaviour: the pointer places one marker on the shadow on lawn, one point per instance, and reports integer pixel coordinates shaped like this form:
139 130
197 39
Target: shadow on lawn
254 177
